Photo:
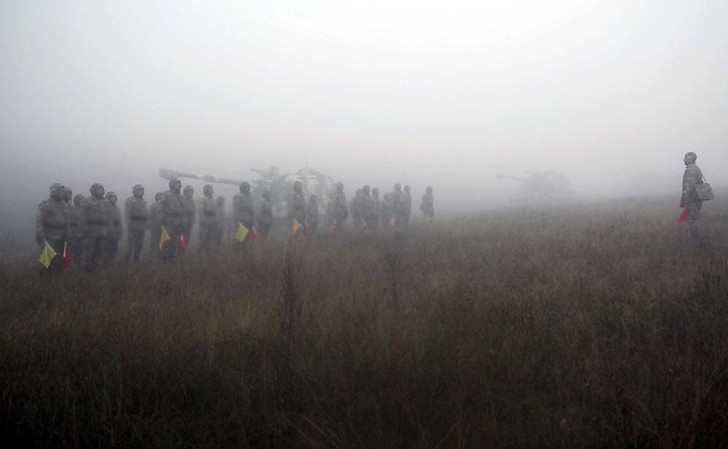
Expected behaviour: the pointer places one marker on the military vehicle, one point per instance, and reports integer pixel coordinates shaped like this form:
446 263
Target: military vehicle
280 185
541 186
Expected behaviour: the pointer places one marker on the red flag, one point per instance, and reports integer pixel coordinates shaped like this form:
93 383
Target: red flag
65 258
252 235
182 242
683 216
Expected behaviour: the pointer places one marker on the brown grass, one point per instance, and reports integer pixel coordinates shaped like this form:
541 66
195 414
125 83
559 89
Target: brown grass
587 326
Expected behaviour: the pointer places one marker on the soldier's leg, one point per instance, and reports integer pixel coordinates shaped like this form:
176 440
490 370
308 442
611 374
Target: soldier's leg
693 225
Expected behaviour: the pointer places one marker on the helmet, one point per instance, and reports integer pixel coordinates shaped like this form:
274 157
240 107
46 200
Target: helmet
65 193
366 190
158 197
78 199
175 184
97 190
692 155
55 190
138 190
244 187
111 196
207 189
428 189
298 186
398 186
375 191
339 186
407 189
189 190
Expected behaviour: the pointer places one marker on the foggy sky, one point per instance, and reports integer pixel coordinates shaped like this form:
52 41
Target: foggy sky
382 91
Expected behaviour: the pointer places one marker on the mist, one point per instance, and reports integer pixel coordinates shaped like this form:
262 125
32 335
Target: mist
608 94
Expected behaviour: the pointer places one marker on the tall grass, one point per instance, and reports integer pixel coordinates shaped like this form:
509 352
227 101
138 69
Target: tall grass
587 326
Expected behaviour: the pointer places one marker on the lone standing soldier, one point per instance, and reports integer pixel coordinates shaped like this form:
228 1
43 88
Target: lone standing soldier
115 228
339 211
208 218
243 211
95 220
171 217
312 214
297 208
689 199
51 224
189 216
428 205
265 215
136 215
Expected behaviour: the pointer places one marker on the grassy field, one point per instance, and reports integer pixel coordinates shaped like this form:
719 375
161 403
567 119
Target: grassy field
581 326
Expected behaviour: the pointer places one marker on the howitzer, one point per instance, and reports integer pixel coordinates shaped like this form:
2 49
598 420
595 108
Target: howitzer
174 174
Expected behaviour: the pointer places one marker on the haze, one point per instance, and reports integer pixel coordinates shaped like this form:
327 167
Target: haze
421 92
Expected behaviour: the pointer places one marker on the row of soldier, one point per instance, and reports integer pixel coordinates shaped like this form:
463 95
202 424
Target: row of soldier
89 229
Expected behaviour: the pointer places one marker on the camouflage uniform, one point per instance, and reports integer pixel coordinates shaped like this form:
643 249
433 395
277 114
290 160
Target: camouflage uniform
691 178
208 217
265 215
312 214
51 224
366 207
297 205
377 206
243 210
220 225
95 221
339 211
189 216
428 205
137 217
172 217
355 207
75 235
155 226
115 228
407 205
399 206
387 206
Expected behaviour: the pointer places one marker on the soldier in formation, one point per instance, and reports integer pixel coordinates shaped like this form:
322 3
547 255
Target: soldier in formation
75 236
407 205
312 213
297 208
95 223
399 207
377 205
243 210
137 217
51 224
209 219
155 226
115 228
189 213
172 218
427 206
339 211
265 215
220 226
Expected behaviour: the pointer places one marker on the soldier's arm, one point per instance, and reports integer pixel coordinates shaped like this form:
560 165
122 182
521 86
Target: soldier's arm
39 218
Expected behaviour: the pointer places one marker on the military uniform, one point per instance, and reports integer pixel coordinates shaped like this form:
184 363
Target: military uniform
155 226
51 224
366 207
95 221
137 218
297 205
428 205
399 207
172 218
243 210
265 216
407 205
691 178
339 210
115 229
377 206
312 214
189 215
220 226
75 235
208 218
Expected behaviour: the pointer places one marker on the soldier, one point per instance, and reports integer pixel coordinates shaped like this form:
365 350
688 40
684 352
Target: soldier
689 199
427 207
172 218
339 211
208 218
407 205
189 215
265 215
115 229
75 235
243 211
398 207
366 206
355 208
137 216
51 224
155 225
95 222
220 226
312 214
297 208
377 205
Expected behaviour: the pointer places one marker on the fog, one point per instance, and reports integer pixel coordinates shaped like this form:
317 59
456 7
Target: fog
447 94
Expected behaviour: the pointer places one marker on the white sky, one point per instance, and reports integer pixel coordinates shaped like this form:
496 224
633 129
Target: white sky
377 91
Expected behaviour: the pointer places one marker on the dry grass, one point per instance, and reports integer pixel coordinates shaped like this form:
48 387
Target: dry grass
592 326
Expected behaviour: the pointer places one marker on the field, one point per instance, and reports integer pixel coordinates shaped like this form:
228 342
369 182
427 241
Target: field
582 326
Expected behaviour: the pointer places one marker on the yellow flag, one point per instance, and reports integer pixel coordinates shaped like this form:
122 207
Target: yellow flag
393 222
362 224
46 255
295 226
241 232
164 237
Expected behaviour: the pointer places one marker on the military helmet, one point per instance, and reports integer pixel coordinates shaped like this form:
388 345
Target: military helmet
55 190
158 197
375 191
407 188
244 187
175 184
298 186
692 155
78 199
207 189
398 186
111 196
137 188
189 190
429 189
366 190
97 190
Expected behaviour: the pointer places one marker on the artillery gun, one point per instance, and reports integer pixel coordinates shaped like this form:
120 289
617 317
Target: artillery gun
280 185
541 186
